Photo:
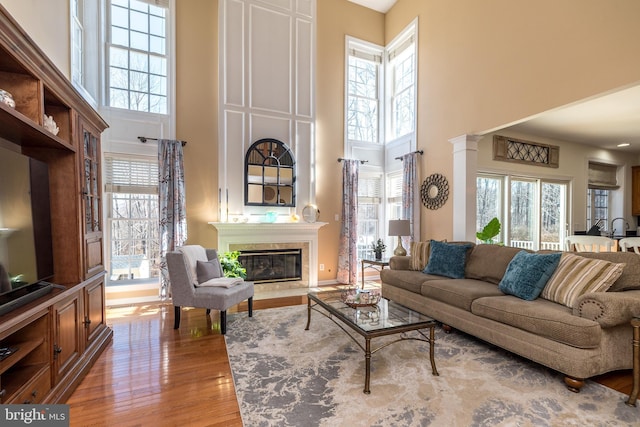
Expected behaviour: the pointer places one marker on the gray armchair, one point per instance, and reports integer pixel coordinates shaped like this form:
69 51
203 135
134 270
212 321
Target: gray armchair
185 291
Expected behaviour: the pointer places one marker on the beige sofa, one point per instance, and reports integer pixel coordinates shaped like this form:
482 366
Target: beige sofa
589 339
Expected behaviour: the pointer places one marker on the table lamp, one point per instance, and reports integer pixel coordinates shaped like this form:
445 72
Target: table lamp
399 227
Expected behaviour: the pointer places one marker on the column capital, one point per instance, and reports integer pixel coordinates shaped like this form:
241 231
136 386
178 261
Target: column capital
465 142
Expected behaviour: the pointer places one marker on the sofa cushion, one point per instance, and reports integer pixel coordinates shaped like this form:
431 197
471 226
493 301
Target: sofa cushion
419 252
406 279
629 278
458 292
528 273
489 262
447 259
577 275
540 317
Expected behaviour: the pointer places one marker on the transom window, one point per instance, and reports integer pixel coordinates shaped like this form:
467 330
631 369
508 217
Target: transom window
363 93
137 56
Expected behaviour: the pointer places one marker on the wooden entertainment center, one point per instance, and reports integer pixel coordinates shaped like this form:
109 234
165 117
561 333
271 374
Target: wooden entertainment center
56 338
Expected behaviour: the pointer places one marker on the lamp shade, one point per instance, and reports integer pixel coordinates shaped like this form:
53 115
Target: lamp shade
399 227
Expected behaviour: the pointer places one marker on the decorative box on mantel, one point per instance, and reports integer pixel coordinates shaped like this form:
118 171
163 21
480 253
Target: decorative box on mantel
286 235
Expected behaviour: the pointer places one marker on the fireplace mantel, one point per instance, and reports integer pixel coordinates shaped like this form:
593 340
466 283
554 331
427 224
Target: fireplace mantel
234 233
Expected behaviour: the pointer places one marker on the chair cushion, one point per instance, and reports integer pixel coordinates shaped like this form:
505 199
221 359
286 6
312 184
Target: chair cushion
528 273
207 270
192 254
577 275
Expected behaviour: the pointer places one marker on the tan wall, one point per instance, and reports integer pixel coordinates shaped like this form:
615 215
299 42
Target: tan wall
336 19
47 23
486 64
197 113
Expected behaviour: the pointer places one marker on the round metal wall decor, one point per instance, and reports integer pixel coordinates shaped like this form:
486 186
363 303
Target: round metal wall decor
434 191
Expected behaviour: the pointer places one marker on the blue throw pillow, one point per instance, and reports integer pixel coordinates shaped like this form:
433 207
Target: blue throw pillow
447 259
528 273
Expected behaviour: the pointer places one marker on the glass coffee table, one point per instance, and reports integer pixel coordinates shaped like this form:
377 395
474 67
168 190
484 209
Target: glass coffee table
382 319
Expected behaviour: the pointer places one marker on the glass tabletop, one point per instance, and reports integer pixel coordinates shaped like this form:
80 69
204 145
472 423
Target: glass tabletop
385 315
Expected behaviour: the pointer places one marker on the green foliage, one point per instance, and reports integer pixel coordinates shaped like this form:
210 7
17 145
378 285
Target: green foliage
491 230
231 267
379 246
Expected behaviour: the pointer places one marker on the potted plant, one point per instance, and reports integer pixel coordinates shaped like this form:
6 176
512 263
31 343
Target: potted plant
491 230
378 248
231 267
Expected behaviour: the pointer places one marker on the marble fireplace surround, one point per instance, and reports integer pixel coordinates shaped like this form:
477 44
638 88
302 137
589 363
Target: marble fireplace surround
286 235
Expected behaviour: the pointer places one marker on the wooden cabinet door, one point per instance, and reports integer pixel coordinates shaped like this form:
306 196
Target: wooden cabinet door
91 200
635 190
94 311
66 335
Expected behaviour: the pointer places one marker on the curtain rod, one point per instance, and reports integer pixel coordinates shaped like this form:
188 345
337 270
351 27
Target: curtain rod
361 161
417 151
144 139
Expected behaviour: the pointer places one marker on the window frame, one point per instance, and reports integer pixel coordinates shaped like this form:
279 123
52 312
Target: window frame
169 78
505 201
406 40
108 232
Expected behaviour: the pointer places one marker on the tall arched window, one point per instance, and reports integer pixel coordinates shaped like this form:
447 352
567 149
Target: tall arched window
270 174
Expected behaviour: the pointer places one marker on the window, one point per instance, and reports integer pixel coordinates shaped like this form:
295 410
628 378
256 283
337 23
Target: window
394 195
84 30
369 213
532 211
402 87
137 56
363 93
598 208
132 216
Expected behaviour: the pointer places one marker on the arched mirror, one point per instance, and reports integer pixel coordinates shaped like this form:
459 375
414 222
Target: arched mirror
270 174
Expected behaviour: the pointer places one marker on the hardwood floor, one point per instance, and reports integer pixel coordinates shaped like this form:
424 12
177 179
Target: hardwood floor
153 375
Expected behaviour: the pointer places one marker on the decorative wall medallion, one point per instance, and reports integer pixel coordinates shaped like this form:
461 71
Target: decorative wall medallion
434 191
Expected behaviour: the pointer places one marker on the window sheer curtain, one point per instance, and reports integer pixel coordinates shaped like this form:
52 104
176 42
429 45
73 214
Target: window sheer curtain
348 250
172 205
410 195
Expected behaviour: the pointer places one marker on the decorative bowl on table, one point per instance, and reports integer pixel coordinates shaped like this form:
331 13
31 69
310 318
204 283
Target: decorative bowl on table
356 297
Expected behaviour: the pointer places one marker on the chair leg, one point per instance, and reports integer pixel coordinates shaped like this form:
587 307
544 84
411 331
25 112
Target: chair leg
250 304
176 322
223 322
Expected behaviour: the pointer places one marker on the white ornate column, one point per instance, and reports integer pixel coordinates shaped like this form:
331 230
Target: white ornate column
465 167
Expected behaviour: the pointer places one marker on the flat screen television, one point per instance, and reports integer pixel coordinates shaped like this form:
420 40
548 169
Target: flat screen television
25 223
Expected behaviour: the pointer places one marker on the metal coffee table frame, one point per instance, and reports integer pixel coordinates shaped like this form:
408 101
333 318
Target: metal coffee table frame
334 309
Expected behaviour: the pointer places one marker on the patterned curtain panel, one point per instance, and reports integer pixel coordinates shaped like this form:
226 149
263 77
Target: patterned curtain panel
410 197
348 250
172 205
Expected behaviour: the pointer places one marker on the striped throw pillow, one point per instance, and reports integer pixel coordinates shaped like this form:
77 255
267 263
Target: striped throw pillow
419 252
576 276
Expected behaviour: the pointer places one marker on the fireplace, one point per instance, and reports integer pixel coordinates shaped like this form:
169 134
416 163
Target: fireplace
272 265
262 237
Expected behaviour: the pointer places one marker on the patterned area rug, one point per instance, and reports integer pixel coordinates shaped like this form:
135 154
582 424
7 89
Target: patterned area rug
286 376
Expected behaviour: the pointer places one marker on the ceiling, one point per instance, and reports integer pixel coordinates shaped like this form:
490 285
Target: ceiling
379 5
603 121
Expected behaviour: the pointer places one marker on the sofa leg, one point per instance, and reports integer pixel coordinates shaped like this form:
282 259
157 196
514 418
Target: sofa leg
573 384
176 322
223 322
250 304
446 328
